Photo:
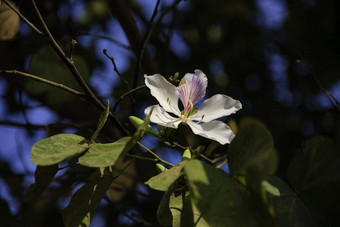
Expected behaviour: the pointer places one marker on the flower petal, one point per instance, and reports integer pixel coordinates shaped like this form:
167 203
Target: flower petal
215 130
192 88
215 107
165 93
161 117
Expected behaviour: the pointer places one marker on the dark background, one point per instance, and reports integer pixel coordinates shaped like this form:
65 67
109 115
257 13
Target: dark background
250 50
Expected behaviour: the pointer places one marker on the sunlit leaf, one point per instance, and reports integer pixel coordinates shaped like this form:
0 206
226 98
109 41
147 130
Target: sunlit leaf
218 197
9 22
85 201
163 180
58 148
103 155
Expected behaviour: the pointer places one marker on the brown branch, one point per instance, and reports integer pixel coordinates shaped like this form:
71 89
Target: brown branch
329 94
73 69
120 10
124 95
145 41
24 18
39 79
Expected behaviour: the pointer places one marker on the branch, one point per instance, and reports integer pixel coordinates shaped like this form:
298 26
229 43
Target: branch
73 69
119 9
124 95
145 41
116 69
147 36
155 155
36 78
329 94
24 18
106 38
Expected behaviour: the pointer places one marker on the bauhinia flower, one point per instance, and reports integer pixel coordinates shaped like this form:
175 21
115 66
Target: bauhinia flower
190 91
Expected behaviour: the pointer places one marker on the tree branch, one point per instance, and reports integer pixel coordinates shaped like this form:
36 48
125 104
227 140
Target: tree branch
39 79
119 9
73 69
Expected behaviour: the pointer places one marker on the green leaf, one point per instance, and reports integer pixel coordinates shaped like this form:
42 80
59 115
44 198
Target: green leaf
251 158
85 201
43 177
218 197
252 148
58 148
289 209
164 214
103 155
315 176
102 121
162 181
184 211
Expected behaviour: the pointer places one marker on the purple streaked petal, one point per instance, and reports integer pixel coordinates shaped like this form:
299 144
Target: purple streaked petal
192 88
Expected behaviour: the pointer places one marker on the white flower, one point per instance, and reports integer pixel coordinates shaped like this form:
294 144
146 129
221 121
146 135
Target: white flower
190 91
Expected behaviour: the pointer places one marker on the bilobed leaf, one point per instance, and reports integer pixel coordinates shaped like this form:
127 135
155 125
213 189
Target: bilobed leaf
85 201
252 148
9 22
58 148
43 177
103 155
315 176
289 209
217 196
102 121
162 181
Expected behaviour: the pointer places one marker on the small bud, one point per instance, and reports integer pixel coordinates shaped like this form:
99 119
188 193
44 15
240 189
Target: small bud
160 168
186 155
138 122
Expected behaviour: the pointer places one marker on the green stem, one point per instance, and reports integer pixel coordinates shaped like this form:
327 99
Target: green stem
154 154
142 158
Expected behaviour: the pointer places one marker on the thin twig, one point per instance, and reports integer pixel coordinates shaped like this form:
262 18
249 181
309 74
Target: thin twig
141 158
329 95
119 75
73 69
22 125
145 42
106 38
116 69
147 36
39 79
24 18
125 94
154 154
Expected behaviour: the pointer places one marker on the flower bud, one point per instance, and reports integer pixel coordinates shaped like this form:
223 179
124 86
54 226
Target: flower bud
160 168
186 155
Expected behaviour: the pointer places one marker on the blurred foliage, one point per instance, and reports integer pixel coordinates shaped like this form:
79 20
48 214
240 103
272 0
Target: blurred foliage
243 57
